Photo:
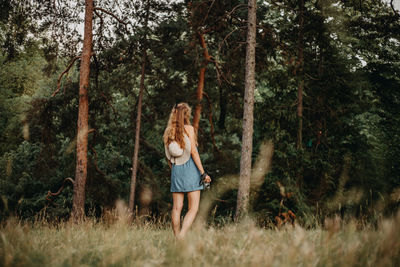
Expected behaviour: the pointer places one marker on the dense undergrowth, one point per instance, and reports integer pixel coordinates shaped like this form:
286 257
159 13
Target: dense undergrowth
117 241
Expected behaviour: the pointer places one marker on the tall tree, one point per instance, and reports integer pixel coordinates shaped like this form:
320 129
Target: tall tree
248 117
78 203
196 21
205 18
200 85
139 114
300 75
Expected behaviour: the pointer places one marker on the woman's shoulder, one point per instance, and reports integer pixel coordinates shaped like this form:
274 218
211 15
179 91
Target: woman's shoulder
189 130
189 127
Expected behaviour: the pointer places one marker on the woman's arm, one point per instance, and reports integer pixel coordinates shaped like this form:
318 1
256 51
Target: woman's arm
169 164
194 152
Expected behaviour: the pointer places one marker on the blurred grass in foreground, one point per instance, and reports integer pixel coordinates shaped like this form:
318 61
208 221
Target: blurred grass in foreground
120 243
115 240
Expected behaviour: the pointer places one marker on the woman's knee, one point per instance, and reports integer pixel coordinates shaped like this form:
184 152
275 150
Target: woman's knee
194 201
177 207
194 208
177 202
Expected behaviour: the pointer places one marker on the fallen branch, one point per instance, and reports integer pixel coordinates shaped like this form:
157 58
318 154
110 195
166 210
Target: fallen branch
220 200
284 217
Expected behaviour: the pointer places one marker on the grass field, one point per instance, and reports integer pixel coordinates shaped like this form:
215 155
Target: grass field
124 244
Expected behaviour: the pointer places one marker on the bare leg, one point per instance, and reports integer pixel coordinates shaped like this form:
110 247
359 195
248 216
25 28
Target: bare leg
176 212
194 199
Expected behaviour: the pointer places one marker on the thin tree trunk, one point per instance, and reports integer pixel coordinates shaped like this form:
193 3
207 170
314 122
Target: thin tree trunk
78 203
138 120
301 76
199 98
247 137
222 104
200 85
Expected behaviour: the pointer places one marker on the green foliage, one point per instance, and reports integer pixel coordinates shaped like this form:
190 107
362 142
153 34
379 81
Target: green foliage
351 105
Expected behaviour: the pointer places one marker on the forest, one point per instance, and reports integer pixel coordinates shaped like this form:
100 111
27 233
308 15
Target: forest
296 109
326 99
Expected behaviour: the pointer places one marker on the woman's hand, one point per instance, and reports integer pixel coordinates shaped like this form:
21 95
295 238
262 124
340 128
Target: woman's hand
169 164
207 179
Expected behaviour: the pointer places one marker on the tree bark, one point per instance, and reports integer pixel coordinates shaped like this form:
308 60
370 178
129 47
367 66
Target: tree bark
138 120
200 85
78 203
222 104
199 98
300 76
247 137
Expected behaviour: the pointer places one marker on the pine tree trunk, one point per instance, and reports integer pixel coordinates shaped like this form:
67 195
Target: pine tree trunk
247 137
137 137
222 104
200 85
301 76
138 121
78 203
199 98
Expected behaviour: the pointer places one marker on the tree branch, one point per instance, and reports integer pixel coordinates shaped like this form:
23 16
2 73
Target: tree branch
150 146
49 193
100 29
394 10
208 12
204 46
95 161
288 106
227 36
62 74
236 7
111 14
312 78
112 107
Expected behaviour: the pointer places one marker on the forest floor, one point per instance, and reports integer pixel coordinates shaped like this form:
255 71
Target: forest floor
123 244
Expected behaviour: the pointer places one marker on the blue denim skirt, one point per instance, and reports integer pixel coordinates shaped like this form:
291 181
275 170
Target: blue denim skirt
185 177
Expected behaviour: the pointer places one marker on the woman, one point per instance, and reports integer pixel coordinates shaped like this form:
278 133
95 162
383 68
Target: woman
186 169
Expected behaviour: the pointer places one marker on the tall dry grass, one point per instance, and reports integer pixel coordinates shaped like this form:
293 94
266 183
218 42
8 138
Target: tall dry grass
117 241
120 243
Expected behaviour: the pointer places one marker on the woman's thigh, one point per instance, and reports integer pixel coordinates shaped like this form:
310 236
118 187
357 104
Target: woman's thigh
193 199
177 198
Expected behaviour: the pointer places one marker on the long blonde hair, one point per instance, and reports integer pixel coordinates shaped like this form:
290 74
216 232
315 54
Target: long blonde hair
180 116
